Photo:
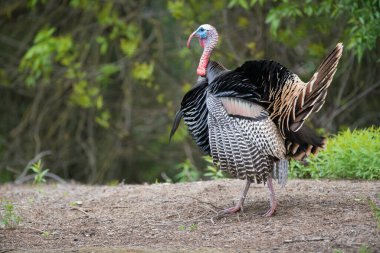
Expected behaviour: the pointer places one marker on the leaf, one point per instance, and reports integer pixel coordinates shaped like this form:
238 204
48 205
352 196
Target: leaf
103 43
143 71
103 119
109 69
99 102
129 47
232 3
176 9
44 34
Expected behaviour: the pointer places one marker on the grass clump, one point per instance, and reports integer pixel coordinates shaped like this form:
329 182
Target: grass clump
375 210
364 249
8 216
190 228
349 155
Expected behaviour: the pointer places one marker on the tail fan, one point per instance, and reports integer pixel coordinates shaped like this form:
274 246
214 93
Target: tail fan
302 143
313 95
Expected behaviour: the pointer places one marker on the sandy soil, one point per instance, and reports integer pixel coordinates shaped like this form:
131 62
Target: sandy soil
312 216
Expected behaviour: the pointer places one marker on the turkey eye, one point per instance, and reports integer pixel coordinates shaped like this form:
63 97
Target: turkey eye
201 29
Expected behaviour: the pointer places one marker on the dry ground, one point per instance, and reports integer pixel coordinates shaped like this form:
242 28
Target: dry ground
312 216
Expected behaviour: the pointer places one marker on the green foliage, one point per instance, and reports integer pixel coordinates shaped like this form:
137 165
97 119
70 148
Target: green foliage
8 216
349 155
190 228
103 118
245 3
375 210
39 176
143 71
365 249
38 60
361 19
193 227
211 171
188 172
45 234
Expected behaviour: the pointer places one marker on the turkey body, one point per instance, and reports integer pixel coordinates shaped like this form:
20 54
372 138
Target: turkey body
227 117
230 115
251 119
245 146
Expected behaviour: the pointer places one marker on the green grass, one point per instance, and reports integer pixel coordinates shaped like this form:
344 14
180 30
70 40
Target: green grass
375 210
190 228
8 216
364 249
349 155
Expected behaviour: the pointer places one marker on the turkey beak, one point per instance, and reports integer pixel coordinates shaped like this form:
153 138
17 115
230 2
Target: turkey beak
189 39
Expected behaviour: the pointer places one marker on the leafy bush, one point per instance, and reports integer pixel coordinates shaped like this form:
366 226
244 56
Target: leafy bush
349 155
188 172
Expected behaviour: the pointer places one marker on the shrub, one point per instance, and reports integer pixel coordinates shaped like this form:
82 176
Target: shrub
349 155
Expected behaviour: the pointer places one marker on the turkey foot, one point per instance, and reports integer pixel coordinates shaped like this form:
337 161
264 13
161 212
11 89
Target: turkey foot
234 209
239 206
272 199
271 210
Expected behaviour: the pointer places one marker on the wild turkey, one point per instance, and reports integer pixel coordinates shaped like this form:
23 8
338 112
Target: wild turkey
251 119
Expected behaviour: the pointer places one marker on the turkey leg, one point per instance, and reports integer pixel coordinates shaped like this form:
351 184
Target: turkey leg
239 205
272 197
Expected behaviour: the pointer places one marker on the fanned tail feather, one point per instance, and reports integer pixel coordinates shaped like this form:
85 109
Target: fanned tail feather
304 142
301 140
312 97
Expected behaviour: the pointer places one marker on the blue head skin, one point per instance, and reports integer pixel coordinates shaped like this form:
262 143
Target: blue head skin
202 33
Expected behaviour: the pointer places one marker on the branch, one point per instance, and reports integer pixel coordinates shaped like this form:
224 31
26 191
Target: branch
48 174
34 160
354 100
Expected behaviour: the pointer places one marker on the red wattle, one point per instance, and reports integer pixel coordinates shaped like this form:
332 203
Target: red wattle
202 42
201 70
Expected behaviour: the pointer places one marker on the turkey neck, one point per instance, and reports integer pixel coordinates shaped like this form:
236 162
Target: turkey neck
211 42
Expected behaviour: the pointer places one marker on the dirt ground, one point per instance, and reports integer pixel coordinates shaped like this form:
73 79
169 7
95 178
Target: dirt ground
312 216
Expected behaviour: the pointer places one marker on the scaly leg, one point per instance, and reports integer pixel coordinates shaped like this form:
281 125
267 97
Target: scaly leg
239 205
273 203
